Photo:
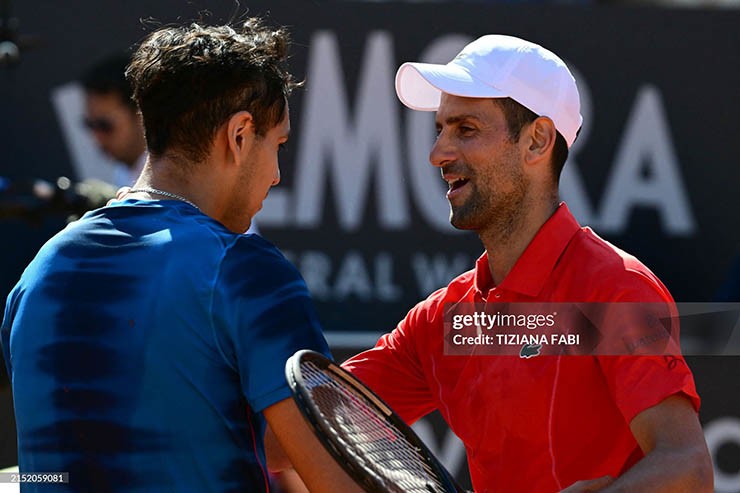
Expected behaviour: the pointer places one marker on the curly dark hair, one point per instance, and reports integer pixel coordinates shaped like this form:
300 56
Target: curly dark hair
188 81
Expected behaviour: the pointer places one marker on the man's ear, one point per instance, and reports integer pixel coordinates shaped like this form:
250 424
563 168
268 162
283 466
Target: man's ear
540 139
240 133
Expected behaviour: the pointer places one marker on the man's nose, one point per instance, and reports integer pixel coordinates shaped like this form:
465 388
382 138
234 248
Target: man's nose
443 152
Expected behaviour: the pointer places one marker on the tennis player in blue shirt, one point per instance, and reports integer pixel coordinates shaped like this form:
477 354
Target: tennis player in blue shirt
146 342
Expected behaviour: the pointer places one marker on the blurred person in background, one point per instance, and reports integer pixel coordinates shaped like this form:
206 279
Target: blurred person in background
112 117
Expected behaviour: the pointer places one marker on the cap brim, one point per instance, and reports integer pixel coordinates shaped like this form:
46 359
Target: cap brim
420 85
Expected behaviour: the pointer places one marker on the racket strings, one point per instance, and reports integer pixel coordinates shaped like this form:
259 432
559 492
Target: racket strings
365 433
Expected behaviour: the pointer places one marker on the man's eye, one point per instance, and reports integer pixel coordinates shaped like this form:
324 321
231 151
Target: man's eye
466 130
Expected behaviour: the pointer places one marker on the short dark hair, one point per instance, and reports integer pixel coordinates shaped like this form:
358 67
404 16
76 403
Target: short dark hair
108 76
518 115
188 81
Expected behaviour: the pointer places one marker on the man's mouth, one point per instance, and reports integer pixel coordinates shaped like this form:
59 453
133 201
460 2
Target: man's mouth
457 183
457 187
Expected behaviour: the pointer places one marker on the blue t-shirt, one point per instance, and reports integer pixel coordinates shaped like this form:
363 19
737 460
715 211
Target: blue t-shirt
143 342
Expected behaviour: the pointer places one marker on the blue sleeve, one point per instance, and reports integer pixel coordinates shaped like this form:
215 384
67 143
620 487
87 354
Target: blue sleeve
263 314
5 331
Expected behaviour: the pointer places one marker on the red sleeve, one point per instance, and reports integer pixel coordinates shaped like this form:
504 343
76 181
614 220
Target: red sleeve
637 383
640 382
393 370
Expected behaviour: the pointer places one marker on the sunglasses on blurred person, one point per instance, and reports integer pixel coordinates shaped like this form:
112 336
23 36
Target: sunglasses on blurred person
103 125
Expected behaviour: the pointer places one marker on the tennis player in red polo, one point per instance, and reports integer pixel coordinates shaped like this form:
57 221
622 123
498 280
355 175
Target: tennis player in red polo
507 113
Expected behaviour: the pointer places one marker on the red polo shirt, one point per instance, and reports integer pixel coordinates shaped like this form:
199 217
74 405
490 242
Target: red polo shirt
537 424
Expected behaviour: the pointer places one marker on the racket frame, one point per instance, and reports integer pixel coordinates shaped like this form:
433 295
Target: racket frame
366 477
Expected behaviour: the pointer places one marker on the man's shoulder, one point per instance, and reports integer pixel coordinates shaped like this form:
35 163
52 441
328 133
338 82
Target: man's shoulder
255 247
252 256
601 255
459 289
602 267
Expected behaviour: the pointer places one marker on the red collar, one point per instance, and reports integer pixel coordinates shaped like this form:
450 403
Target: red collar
533 267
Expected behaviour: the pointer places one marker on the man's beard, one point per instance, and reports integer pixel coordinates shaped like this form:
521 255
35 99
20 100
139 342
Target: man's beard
498 212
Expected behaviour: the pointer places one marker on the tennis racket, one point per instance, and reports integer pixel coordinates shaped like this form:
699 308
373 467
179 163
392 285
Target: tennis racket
371 442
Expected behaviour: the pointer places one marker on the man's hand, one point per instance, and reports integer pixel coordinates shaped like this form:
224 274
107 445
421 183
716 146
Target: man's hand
589 485
676 456
120 194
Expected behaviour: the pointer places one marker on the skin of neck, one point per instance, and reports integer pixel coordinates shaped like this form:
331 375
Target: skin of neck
139 146
504 248
209 184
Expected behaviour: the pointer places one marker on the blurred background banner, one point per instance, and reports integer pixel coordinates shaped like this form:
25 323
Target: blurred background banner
361 212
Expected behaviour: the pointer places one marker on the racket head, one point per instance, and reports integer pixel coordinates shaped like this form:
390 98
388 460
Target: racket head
363 434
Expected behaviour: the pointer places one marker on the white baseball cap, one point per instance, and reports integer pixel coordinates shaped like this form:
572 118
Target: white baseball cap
497 66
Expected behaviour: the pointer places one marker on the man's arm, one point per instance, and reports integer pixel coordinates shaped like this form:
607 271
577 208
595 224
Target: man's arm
317 468
676 455
277 460
280 467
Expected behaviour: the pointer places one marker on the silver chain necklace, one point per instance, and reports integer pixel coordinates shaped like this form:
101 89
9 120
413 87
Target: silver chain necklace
162 192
